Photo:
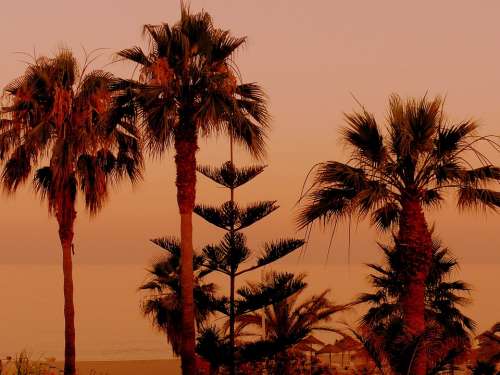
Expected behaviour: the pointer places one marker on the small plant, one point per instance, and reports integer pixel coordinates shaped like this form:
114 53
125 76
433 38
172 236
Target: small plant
26 366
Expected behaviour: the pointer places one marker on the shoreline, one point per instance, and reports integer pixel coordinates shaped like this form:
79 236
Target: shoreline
127 367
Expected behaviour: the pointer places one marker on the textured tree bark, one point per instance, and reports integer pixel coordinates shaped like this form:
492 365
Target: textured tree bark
415 240
66 217
185 160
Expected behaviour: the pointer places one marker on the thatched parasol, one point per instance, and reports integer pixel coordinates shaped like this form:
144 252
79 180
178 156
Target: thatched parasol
329 348
311 340
347 344
303 347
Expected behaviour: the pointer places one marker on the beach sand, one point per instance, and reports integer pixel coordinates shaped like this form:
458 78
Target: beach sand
138 367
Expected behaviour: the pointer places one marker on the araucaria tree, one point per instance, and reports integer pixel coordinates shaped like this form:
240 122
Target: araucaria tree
232 254
188 87
395 175
60 114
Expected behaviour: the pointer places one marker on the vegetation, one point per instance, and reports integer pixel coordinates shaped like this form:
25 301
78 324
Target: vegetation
61 114
394 176
487 354
287 323
163 299
77 132
188 87
448 331
230 255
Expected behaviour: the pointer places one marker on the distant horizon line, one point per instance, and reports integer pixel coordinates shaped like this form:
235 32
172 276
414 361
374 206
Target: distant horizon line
76 264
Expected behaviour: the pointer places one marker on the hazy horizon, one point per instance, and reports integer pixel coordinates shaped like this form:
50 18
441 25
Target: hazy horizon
315 63
102 291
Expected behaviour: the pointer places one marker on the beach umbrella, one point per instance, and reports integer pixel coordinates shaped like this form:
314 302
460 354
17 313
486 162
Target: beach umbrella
311 340
303 347
329 348
348 344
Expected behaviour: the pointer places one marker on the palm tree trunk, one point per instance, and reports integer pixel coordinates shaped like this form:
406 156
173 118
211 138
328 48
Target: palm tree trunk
415 240
66 218
185 160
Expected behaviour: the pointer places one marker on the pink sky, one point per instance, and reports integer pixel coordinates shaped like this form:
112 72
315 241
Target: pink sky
311 60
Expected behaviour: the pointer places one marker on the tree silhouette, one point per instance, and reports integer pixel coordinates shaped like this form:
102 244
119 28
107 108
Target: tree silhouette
61 114
231 256
394 176
188 88
448 331
163 299
488 351
287 323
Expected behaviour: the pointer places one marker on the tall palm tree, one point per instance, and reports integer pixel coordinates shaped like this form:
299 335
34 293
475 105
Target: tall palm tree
188 87
449 331
60 113
395 176
163 303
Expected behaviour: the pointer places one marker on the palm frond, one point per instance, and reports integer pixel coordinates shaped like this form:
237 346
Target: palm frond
42 181
470 197
170 244
482 174
326 204
365 137
277 287
386 216
450 139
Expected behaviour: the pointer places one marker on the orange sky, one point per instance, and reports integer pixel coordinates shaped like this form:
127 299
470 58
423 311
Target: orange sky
310 60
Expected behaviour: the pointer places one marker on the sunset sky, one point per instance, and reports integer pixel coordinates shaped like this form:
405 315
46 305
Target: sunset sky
315 60
312 60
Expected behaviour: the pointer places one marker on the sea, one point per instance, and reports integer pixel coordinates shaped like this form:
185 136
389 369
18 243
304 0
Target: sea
109 323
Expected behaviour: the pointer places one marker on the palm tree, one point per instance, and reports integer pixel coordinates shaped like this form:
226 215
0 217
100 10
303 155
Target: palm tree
61 114
395 176
163 303
448 330
188 87
488 350
289 321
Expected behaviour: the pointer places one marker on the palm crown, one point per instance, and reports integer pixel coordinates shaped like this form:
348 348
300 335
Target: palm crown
188 79
418 158
61 114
